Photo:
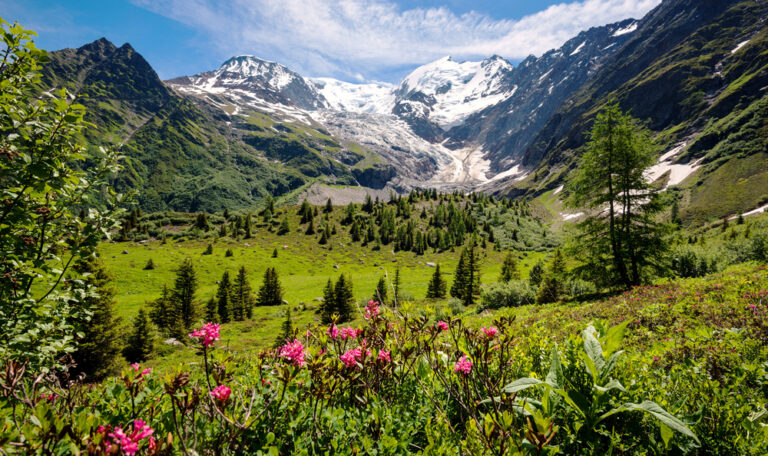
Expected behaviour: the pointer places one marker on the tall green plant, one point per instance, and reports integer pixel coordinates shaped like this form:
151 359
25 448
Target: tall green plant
46 178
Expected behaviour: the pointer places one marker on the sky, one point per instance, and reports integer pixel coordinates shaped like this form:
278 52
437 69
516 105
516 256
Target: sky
352 40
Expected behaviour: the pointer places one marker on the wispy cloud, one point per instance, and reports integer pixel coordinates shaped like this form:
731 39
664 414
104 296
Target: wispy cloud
345 37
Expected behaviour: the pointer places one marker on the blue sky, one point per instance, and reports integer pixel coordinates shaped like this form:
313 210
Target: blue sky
354 40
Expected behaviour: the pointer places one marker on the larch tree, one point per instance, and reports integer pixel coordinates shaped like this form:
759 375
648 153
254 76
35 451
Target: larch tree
621 238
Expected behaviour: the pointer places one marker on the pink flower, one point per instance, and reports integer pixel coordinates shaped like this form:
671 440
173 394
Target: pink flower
490 331
333 332
350 357
442 326
372 310
384 356
464 365
294 352
135 367
350 333
207 334
221 393
129 443
146 371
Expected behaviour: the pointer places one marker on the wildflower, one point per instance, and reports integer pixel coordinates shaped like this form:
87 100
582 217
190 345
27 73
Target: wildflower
129 443
294 352
207 334
490 331
221 393
350 333
463 365
333 332
135 367
442 326
655 358
350 357
384 356
371 310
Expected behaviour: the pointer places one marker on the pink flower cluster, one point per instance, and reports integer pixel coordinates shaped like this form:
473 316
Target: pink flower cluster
129 443
442 326
384 356
372 310
136 368
350 357
333 332
490 331
207 334
463 365
344 333
221 393
294 352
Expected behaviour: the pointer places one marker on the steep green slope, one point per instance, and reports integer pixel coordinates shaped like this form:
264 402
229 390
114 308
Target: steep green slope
183 155
696 74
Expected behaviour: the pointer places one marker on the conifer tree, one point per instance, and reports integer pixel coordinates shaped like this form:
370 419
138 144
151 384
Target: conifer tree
247 226
223 306
328 206
274 253
368 204
327 307
344 298
270 293
202 222
165 314
242 301
552 286
623 226
311 228
184 290
98 349
141 340
436 288
286 330
380 293
536 274
212 310
150 265
285 227
396 286
509 269
459 276
466 283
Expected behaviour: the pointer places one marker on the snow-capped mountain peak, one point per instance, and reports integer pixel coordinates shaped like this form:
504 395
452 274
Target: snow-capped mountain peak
375 97
247 66
449 91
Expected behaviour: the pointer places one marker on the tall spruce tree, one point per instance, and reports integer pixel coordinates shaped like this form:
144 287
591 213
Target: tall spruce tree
436 288
98 349
328 206
223 304
242 300
344 298
141 340
509 269
183 295
380 293
466 283
285 227
270 293
166 315
621 238
212 310
327 307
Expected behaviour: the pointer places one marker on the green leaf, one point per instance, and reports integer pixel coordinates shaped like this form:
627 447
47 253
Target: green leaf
593 349
521 384
666 434
613 338
657 412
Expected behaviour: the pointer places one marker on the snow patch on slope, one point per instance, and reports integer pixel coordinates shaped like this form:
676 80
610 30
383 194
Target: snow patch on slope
677 172
739 46
374 97
628 29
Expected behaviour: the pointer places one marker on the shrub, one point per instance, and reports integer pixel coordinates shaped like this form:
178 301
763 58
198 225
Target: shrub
692 262
508 294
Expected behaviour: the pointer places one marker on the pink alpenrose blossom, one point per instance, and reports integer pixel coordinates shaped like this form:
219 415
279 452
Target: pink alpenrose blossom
384 356
371 310
207 334
463 365
294 352
221 393
490 331
129 443
442 326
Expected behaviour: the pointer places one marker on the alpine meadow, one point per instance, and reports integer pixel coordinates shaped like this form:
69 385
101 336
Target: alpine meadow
565 253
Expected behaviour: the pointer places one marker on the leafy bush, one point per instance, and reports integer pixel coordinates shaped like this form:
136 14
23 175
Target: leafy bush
508 294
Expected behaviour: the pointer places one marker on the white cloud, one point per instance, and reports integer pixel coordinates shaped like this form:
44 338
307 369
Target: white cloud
344 37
